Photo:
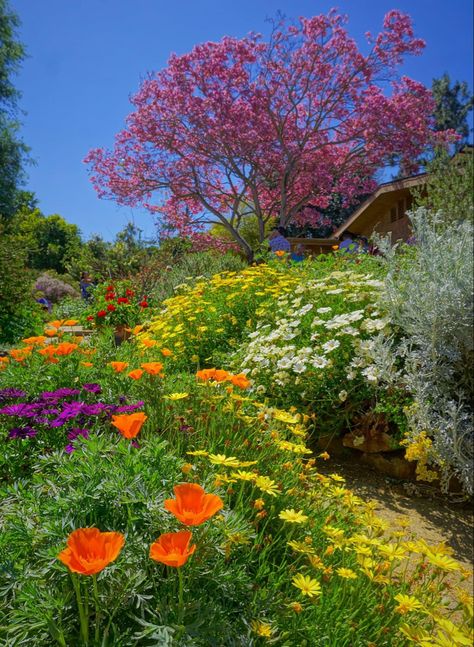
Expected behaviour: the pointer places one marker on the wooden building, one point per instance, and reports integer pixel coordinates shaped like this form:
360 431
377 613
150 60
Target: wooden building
385 211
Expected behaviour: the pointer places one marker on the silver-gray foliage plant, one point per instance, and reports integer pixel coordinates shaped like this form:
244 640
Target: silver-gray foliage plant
429 298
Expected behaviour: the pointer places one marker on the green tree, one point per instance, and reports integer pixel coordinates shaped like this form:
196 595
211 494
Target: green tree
13 152
449 188
453 105
19 313
118 260
50 241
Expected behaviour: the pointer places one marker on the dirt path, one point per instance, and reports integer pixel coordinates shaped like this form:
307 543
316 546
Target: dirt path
433 516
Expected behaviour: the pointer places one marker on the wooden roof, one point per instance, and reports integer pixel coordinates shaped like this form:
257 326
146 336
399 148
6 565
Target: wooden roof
382 198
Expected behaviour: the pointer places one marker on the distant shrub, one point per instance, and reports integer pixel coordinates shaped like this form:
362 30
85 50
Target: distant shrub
69 308
54 289
191 265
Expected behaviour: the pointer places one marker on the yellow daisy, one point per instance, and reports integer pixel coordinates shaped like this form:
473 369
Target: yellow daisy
407 603
265 484
293 516
347 573
307 585
176 396
226 461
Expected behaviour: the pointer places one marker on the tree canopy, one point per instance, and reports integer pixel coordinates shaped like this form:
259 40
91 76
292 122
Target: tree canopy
452 107
12 150
278 124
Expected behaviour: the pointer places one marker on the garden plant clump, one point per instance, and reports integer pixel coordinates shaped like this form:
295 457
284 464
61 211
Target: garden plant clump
428 297
168 492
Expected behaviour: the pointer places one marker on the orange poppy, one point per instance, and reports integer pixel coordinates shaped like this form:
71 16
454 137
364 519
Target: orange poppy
148 343
129 425
206 374
87 364
65 348
192 505
240 380
173 548
166 352
152 368
48 353
55 324
3 362
136 374
51 332
280 253
220 375
35 340
89 550
335 247
118 366
70 322
20 354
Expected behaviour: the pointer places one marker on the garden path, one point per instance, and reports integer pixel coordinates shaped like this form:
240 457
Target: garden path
434 517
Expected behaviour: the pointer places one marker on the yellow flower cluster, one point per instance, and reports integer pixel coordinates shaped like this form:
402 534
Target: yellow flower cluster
420 449
213 308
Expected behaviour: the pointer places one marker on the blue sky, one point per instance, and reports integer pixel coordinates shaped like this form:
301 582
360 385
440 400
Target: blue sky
86 57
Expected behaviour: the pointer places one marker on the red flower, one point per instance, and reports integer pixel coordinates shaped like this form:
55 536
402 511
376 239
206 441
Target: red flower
110 288
129 293
123 300
90 318
102 313
110 296
111 307
143 304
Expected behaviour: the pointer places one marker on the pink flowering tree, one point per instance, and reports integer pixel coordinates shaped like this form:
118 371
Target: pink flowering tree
268 128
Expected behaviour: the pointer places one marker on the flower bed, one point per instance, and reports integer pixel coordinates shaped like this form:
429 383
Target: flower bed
194 513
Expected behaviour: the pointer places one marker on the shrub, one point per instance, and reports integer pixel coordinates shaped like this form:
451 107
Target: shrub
19 314
429 298
54 289
194 265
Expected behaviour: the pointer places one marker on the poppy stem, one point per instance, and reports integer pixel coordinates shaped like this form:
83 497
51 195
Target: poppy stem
180 596
97 608
83 621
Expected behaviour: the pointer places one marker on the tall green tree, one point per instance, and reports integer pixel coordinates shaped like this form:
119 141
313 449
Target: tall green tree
50 241
13 152
453 105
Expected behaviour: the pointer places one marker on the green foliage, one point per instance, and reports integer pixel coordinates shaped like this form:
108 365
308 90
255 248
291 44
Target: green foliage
121 259
12 149
449 188
192 266
19 314
453 104
50 241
